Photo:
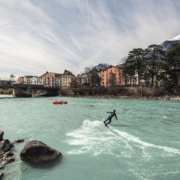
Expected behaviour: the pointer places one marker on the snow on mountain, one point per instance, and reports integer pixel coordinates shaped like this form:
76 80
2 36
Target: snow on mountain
176 38
168 43
165 46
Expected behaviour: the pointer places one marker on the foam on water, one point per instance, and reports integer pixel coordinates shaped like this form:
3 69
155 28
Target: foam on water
145 144
92 137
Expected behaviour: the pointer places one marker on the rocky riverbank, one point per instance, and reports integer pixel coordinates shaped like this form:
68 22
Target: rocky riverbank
123 92
165 98
6 152
34 152
137 92
7 91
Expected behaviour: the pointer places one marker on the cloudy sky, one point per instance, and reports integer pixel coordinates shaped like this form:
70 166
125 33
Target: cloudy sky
52 35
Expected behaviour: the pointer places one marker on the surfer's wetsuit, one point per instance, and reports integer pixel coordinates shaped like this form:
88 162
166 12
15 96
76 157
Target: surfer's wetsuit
108 120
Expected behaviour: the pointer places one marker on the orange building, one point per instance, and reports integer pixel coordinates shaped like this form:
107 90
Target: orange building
111 76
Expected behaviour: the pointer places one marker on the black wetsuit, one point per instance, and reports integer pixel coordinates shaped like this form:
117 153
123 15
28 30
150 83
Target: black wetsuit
108 120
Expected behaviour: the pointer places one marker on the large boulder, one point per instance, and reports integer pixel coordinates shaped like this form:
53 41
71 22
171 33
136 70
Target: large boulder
36 152
1 175
1 135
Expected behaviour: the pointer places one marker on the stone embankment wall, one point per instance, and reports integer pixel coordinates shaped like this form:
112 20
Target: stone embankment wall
120 91
6 91
114 91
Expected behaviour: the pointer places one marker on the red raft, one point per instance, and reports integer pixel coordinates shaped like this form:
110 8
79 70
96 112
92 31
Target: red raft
59 102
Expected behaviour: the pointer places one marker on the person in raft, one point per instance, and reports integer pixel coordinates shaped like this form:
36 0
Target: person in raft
108 120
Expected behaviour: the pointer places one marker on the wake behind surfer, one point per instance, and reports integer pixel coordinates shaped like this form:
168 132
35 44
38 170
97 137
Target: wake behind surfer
108 120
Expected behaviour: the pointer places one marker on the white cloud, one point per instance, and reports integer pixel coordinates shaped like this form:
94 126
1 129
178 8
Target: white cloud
40 36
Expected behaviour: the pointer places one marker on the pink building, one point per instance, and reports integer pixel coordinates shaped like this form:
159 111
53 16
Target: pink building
47 79
20 80
111 76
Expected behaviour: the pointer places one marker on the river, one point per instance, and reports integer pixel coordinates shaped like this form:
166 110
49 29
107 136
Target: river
143 144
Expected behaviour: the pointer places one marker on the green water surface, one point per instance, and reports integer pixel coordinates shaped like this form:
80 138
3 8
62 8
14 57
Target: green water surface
143 144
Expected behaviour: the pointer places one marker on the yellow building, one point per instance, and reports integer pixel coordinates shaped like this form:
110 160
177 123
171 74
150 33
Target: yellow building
67 77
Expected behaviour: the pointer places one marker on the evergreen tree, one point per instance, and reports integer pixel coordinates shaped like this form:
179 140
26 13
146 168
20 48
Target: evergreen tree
94 78
135 64
112 79
173 65
154 63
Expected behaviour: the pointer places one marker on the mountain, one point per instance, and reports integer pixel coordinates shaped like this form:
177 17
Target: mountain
176 38
101 66
166 45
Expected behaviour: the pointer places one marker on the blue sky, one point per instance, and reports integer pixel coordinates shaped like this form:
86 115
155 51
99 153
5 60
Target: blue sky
52 35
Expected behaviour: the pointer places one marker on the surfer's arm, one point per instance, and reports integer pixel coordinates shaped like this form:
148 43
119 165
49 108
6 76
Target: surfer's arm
116 117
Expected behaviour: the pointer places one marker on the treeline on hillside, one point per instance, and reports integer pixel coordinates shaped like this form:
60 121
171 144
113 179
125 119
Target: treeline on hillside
155 67
151 67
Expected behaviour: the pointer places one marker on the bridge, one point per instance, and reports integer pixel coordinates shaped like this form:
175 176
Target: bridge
32 90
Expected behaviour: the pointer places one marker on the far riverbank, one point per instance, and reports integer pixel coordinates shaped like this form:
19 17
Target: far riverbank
170 98
146 93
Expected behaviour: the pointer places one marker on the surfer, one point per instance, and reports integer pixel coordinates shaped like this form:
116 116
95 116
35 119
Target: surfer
108 120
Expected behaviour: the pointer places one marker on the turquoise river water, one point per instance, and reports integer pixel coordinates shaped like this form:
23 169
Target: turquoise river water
143 144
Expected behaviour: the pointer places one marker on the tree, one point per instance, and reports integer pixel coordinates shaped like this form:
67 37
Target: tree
12 77
94 78
112 79
155 65
134 64
173 65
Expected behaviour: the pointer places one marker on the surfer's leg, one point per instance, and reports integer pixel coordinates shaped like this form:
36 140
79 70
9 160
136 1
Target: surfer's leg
105 122
108 122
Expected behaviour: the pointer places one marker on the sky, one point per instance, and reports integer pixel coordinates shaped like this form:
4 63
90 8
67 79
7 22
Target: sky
37 36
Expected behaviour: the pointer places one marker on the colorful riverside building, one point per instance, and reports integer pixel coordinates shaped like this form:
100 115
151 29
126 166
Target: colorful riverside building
27 80
50 79
67 78
112 76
